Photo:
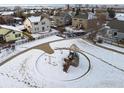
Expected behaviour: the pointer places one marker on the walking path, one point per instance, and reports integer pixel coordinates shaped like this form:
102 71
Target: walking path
45 47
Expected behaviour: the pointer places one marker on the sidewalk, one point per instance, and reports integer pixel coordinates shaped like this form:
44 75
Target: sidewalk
111 47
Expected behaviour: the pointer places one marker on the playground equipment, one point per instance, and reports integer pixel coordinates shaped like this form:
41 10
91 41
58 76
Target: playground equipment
72 59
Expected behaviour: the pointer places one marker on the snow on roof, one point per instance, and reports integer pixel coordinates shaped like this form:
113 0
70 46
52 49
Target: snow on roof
35 18
20 27
17 18
7 13
10 27
72 30
120 16
32 11
51 16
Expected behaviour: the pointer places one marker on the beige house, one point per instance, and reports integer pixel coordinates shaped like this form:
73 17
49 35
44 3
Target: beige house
82 21
36 24
9 33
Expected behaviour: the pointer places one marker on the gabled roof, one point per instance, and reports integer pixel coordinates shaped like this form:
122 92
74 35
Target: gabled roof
117 24
81 15
35 18
7 13
10 28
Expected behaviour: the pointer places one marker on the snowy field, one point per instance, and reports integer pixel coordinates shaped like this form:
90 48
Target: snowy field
36 68
7 54
112 47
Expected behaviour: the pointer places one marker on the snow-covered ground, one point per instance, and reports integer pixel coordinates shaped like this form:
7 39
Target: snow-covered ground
6 54
70 29
32 69
112 47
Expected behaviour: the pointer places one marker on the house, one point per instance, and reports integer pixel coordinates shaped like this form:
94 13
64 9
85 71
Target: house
116 29
36 24
62 19
18 21
7 13
9 33
83 21
80 20
10 20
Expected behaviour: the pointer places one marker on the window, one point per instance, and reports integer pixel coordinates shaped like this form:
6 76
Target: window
37 28
47 26
43 23
1 37
17 35
61 18
28 26
75 19
80 20
115 34
42 28
36 23
13 32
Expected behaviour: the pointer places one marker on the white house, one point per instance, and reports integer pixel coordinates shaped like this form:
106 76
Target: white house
91 15
36 24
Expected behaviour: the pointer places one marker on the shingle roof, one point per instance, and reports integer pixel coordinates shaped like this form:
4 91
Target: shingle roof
10 27
117 24
81 15
35 18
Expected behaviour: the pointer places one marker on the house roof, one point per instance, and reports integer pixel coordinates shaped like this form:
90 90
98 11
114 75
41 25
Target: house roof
35 18
81 15
120 16
17 18
20 27
10 28
117 24
7 13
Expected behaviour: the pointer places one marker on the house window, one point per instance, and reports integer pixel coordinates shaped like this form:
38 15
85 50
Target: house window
38 29
1 37
42 28
43 23
35 29
47 26
36 23
115 34
13 32
17 35
28 26
80 20
75 19
61 18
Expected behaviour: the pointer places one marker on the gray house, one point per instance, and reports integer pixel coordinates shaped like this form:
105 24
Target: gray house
116 30
62 19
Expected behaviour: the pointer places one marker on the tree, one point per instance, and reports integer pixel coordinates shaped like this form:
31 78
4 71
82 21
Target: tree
93 11
18 11
2 21
111 12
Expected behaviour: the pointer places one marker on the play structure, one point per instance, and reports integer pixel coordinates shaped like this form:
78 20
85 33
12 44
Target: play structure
72 59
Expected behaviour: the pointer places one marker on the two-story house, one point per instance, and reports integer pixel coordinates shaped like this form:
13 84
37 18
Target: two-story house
62 19
9 33
37 24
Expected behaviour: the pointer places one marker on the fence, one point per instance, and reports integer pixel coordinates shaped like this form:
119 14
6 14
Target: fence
23 41
113 42
19 42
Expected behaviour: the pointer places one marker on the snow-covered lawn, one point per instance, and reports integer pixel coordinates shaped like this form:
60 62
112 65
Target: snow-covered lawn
112 47
36 68
6 54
